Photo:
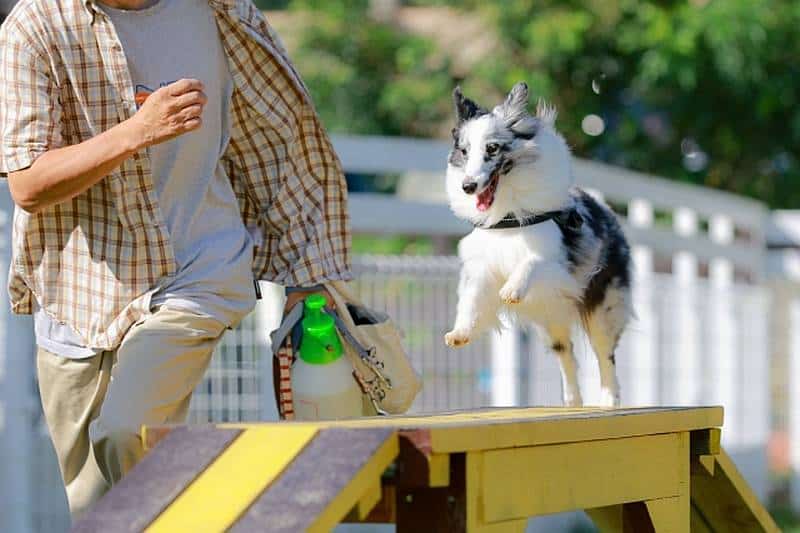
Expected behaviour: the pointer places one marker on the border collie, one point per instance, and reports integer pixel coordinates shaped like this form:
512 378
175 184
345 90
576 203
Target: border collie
542 250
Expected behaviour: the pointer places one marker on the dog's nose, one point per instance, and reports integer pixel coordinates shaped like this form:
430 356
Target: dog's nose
470 186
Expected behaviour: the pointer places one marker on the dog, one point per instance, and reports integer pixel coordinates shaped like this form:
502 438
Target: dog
542 250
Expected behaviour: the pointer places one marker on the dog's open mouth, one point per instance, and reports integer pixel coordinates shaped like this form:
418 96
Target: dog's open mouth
486 197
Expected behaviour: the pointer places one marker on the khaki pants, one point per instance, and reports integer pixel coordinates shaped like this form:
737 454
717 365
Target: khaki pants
95 407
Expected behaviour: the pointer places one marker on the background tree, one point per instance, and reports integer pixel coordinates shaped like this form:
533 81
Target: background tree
367 76
701 91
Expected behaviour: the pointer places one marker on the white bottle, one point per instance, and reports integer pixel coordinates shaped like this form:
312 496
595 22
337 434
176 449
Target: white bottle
323 386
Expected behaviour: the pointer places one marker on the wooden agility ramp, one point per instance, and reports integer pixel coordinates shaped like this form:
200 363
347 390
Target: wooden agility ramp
632 470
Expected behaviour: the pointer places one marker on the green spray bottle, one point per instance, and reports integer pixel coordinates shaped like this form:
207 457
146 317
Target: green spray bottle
323 386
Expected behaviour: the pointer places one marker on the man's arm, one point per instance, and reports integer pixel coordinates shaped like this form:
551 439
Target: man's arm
63 173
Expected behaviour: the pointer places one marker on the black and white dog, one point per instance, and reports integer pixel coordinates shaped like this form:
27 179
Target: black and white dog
542 250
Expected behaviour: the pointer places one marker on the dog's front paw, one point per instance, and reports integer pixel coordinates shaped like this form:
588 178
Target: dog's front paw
456 338
510 295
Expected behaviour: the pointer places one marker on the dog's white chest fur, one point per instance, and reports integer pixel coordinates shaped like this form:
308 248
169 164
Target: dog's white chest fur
492 259
503 249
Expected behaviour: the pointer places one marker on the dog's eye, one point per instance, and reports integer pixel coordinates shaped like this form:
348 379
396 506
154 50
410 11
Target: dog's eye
463 151
492 148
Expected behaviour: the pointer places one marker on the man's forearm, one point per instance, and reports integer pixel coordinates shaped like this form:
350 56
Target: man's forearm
64 173
61 174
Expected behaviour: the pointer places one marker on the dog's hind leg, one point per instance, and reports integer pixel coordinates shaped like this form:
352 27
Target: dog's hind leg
604 328
561 344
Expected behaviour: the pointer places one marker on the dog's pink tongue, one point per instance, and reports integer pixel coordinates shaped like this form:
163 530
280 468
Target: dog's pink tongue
485 199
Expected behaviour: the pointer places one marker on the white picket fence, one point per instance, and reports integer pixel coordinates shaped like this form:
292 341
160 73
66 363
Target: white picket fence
701 336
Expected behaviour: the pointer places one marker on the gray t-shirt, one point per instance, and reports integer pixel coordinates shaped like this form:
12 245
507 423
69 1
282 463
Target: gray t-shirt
170 40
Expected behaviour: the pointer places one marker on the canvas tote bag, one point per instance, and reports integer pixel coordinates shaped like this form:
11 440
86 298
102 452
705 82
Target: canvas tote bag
373 345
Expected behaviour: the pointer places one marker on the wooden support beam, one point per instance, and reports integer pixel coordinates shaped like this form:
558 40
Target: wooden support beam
705 441
523 482
417 465
477 482
422 508
725 501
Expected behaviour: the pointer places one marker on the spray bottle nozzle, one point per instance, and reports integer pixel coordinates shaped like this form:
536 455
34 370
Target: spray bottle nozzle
320 343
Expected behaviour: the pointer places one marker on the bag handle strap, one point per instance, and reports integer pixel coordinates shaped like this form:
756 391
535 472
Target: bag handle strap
291 319
363 352
296 315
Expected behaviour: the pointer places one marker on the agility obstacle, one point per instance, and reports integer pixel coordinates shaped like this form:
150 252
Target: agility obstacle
637 470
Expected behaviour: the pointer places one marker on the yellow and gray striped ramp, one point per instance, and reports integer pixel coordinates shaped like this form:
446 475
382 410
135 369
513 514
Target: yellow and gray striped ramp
646 469
214 479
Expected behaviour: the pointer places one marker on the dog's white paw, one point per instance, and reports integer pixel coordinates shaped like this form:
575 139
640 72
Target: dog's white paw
609 398
573 399
510 295
456 338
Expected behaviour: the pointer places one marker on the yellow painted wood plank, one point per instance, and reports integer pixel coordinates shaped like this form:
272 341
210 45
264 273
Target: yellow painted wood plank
439 470
369 499
234 480
670 515
505 428
703 465
523 482
476 520
573 429
366 478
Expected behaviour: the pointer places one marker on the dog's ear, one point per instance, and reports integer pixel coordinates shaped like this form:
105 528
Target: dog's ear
466 109
514 112
517 99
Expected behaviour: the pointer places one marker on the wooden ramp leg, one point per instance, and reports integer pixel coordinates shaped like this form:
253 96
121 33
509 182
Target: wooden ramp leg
455 508
435 509
665 515
670 515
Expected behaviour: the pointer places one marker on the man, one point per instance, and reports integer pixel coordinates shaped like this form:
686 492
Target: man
163 154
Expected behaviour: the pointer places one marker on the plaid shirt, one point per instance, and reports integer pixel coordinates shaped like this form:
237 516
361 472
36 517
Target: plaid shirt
93 261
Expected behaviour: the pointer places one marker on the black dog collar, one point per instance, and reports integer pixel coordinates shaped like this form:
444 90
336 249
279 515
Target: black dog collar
566 219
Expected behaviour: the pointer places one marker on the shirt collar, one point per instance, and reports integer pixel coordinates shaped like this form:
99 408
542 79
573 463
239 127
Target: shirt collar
226 5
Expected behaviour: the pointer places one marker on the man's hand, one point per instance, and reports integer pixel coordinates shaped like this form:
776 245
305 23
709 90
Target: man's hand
295 296
169 112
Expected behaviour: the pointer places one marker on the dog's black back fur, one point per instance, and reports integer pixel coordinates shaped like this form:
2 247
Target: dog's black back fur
614 259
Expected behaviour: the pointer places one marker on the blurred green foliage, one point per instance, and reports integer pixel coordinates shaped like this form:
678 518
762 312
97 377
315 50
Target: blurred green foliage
395 245
703 91
272 4
367 76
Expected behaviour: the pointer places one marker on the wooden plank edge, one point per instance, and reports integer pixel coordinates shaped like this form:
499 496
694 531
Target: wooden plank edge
564 430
